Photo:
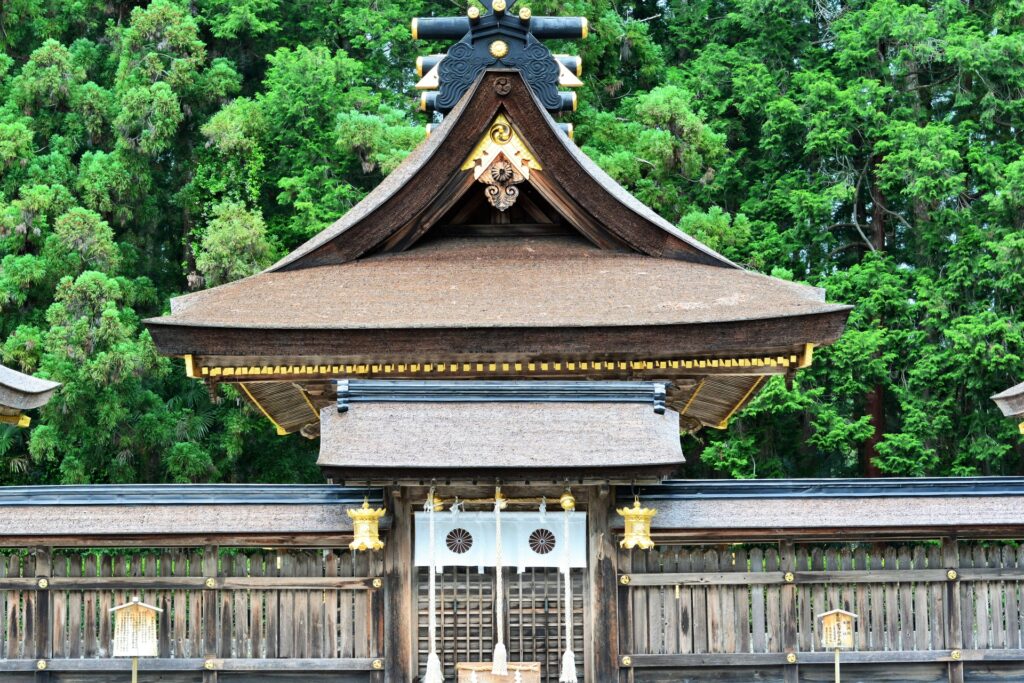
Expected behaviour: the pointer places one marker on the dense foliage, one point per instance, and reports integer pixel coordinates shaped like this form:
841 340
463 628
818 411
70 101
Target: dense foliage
871 147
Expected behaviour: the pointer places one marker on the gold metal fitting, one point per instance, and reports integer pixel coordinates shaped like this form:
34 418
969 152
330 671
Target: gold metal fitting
419 67
377 583
788 576
525 14
43 583
568 501
627 660
791 658
415 29
211 583
41 665
209 665
584 29
956 655
951 575
498 5
499 49
423 101
473 13
428 130
377 664
575 101
624 579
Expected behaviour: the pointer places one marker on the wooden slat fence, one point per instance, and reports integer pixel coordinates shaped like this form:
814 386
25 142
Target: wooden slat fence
226 609
734 606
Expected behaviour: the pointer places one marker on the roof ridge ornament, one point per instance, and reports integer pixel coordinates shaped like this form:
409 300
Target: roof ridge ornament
499 39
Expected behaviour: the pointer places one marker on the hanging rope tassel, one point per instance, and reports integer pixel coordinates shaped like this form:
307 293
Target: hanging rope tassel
568 674
434 673
499 666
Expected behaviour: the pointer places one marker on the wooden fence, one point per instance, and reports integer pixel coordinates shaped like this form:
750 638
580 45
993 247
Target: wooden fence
932 611
225 611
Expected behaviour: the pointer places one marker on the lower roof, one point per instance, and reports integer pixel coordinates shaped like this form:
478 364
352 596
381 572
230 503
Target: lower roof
505 440
836 508
191 514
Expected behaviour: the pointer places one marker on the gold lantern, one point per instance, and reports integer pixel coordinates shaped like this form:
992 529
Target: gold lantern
568 501
366 527
638 526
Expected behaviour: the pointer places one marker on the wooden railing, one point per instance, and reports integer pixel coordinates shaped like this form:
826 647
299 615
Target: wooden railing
223 610
946 605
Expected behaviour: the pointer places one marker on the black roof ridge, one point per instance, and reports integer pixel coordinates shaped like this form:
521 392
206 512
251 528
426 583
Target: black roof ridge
186 494
894 487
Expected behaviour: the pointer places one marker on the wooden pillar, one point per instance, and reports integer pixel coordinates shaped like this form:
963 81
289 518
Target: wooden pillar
788 609
210 555
951 609
399 611
602 656
43 631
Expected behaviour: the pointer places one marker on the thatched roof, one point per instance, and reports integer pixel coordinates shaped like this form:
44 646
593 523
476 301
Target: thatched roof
19 391
511 441
498 282
1011 401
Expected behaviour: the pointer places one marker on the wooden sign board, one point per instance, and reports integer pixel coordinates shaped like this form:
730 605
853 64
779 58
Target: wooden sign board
837 629
480 672
135 629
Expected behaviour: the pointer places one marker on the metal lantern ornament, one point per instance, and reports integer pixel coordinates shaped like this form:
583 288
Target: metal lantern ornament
135 632
638 526
366 527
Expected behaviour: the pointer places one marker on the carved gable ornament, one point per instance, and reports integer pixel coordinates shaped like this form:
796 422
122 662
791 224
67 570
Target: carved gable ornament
501 160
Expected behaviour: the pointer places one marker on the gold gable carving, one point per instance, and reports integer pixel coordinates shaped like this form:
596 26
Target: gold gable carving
501 160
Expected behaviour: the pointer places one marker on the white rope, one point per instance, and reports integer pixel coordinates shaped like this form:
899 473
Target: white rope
568 673
434 673
499 666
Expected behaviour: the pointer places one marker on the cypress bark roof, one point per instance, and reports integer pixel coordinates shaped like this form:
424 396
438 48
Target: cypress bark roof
1011 401
19 391
499 282
423 440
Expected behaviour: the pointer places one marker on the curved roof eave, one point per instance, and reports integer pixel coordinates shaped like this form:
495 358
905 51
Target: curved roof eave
376 217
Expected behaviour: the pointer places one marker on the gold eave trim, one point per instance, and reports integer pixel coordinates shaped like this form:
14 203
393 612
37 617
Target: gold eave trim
778 363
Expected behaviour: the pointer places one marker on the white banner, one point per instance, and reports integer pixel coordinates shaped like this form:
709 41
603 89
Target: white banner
466 539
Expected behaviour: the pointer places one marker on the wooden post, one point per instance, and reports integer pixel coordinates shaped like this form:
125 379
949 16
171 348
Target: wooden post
210 555
602 656
43 608
951 609
625 619
399 623
788 609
